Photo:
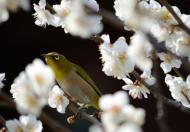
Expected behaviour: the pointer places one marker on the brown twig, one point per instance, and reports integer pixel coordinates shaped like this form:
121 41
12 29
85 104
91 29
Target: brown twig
82 115
161 110
177 18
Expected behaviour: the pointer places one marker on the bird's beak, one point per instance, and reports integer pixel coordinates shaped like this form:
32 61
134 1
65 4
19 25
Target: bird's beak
44 55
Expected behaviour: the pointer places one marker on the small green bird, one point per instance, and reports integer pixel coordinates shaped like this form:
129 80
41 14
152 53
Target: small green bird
74 80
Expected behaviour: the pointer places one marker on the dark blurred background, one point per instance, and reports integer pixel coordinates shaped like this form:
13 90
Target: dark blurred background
22 41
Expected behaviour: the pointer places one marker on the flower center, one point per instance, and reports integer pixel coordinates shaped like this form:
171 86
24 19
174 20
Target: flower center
40 79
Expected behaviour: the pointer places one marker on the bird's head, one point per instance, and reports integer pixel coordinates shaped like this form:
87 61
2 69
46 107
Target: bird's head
57 62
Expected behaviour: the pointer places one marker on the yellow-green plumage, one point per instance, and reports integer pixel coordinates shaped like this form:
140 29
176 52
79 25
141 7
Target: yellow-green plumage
74 80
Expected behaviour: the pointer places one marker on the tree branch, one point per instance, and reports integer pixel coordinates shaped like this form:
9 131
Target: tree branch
161 111
82 115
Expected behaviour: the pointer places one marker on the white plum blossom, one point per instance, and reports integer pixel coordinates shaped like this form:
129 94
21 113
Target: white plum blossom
119 99
31 88
129 127
43 16
41 77
27 123
131 14
124 9
57 99
118 115
179 43
72 16
2 77
79 23
115 57
148 78
140 51
169 62
160 32
160 21
95 128
166 17
62 11
180 90
91 4
136 89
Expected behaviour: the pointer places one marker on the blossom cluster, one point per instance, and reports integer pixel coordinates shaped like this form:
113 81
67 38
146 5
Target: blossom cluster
33 89
150 16
118 115
71 16
119 59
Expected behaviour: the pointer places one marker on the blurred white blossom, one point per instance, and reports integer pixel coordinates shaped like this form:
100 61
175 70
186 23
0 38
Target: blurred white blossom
118 115
148 78
2 77
57 99
31 88
4 14
119 99
169 62
79 23
131 14
164 23
115 57
129 127
140 51
180 90
179 43
27 123
12 5
136 89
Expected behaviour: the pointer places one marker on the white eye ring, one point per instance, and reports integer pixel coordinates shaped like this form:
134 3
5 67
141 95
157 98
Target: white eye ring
56 57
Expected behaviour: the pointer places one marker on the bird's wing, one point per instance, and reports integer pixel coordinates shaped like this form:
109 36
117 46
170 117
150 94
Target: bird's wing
84 75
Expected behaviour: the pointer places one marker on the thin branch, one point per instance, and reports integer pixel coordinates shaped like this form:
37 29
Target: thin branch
177 18
161 110
177 105
97 39
111 19
83 115
178 73
2 120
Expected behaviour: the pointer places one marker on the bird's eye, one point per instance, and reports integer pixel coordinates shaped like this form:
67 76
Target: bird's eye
56 57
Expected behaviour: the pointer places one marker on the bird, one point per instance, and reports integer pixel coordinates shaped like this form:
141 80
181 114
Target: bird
74 80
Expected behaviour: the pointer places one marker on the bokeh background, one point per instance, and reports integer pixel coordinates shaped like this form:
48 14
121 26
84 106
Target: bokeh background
21 41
